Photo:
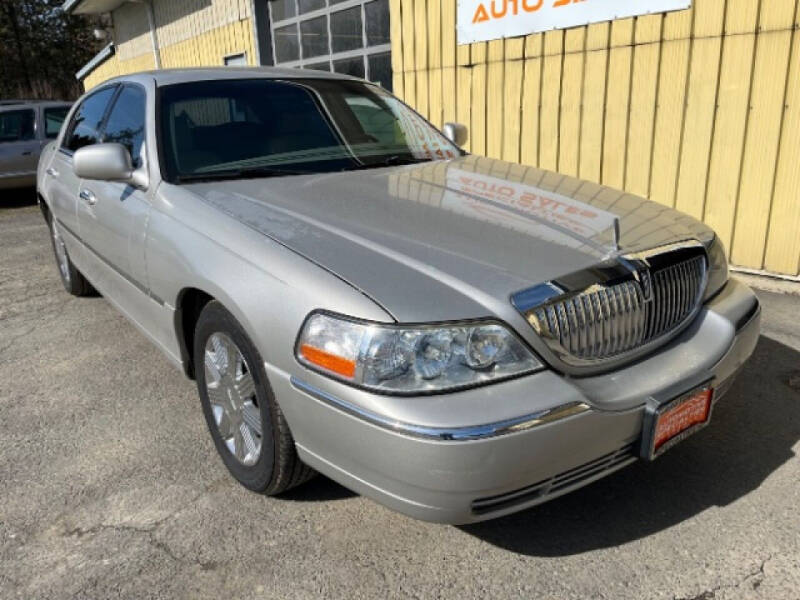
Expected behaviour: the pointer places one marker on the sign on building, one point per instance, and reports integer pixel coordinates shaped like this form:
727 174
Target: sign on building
483 20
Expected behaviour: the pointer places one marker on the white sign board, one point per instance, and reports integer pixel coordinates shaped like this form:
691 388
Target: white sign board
483 20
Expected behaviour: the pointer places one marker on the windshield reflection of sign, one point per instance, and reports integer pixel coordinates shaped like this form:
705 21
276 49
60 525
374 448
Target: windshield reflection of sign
523 207
423 140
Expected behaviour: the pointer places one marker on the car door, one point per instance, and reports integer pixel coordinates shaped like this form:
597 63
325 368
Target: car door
60 184
112 216
19 147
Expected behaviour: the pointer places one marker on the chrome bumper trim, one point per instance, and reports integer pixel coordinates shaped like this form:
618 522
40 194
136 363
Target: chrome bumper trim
450 434
751 314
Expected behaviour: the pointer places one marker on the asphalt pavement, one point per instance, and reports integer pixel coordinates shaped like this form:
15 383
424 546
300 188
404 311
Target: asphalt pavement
110 486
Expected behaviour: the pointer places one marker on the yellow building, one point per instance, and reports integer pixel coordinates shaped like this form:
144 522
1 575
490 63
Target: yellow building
697 109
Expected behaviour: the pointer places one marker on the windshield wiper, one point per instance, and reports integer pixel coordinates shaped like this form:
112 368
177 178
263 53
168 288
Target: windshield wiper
246 173
389 161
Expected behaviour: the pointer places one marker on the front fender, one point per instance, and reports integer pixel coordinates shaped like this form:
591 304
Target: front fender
267 287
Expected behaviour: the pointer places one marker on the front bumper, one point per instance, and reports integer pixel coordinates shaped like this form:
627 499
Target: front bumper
409 454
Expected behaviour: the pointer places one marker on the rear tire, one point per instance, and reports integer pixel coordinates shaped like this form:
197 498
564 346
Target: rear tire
245 422
74 281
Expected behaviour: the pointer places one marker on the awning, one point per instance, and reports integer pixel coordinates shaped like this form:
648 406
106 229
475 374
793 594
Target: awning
96 61
90 7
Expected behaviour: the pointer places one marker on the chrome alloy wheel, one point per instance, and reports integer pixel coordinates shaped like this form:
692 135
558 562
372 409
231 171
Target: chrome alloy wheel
232 395
61 252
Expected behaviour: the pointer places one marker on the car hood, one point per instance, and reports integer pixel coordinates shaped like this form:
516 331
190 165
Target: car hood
451 239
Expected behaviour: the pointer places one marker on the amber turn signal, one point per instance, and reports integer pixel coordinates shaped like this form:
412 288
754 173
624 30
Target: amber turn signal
330 362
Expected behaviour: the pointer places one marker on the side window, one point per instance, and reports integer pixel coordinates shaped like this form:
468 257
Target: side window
125 124
84 130
17 125
53 120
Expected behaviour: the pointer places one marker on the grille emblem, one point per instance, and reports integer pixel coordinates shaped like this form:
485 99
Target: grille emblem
643 275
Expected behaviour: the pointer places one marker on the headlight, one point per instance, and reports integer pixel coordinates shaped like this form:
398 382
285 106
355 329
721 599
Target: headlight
717 267
414 359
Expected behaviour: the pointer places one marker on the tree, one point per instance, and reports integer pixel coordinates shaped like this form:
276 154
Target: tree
41 49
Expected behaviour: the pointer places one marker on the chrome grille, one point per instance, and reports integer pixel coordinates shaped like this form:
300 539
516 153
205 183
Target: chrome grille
606 320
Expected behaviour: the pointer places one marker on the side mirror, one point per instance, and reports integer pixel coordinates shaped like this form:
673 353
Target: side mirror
456 133
107 162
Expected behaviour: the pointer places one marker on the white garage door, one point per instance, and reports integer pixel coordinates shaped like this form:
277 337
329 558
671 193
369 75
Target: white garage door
345 36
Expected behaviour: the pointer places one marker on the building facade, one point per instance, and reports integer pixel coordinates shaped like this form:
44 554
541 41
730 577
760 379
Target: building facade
697 109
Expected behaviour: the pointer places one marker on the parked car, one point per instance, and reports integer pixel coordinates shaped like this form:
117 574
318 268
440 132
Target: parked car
25 127
456 337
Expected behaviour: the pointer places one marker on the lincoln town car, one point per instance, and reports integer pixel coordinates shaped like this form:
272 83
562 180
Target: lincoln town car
454 336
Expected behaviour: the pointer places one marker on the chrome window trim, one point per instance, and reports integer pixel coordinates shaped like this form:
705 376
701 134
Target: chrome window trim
445 434
625 267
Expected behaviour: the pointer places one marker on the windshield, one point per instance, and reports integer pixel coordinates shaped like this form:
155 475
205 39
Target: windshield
263 127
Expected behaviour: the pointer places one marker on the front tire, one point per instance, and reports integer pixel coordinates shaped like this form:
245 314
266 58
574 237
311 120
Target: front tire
74 281
246 424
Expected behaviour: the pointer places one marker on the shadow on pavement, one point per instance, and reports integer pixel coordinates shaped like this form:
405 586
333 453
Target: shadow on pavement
319 489
17 198
752 432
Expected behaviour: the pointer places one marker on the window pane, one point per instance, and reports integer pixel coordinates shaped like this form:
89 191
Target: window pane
282 9
377 14
16 125
286 45
84 128
309 5
346 32
350 66
125 124
319 67
53 119
314 33
380 69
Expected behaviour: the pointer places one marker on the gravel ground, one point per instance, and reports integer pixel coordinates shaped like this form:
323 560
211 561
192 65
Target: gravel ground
111 486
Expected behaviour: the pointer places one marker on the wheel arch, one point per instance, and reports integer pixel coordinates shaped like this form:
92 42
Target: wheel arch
43 206
188 306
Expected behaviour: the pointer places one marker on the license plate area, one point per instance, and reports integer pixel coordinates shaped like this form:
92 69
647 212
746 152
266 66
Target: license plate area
668 424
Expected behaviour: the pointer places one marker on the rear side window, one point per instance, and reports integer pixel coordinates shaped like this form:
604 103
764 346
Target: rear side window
125 124
17 125
84 129
53 120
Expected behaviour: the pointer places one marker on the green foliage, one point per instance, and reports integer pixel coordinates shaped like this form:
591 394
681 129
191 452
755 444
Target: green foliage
41 49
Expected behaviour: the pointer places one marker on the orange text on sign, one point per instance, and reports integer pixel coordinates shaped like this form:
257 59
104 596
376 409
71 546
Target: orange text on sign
499 9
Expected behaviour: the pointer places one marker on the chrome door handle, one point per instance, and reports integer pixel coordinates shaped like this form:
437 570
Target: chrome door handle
52 172
88 196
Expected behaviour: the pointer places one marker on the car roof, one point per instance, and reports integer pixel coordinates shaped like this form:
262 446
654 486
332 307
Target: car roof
19 103
172 76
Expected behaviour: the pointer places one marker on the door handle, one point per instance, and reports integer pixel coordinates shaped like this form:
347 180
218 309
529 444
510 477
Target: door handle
88 196
52 172
28 153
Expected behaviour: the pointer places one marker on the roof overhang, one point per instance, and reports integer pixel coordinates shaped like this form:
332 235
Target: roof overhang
96 61
90 7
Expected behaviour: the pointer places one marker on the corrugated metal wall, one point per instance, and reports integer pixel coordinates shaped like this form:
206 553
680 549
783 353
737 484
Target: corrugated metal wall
190 34
698 109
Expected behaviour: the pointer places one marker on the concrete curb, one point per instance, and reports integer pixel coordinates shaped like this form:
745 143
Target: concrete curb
768 284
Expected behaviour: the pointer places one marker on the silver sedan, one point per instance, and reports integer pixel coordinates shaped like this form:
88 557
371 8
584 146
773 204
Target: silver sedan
456 337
